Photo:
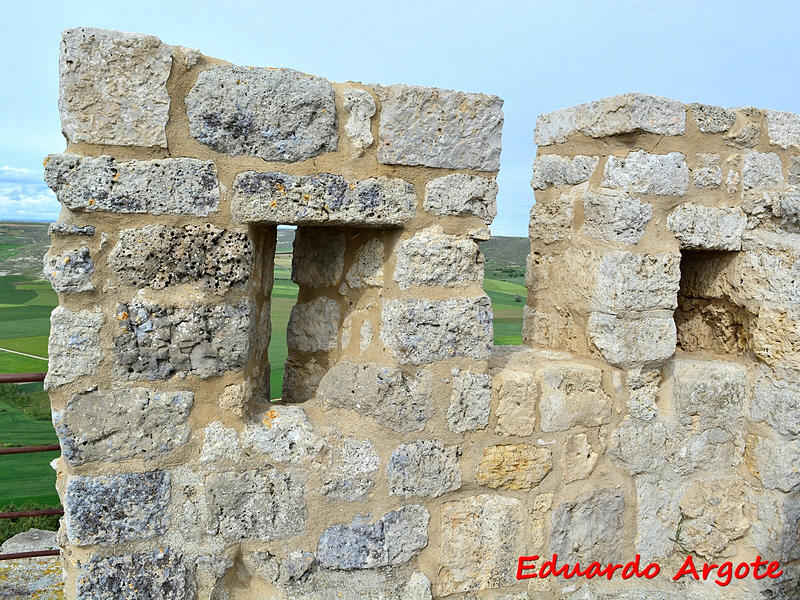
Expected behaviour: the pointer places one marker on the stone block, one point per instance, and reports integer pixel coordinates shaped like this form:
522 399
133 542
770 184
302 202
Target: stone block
367 267
783 128
469 402
615 216
439 128
284 434
265 505
776 401
351 474
113 87
713 392
112 425
659 174
490 530
553 170
70 272
109 509
552 218
157 342
761 171
517 394
434 258
278 198
160 256
301 377
626 342
275 114
318 257
313 326
398 401
776 336
700 227
578 458
774 530
627 113
590 527
138 576
419 331
639 447
185 186
629 281
74 345
794 170
712 119
776 462
60 228
394 538
360 108
514 466
462 195
707 174
571 395
424 468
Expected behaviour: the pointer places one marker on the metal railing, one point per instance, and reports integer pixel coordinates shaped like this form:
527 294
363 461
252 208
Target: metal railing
28 378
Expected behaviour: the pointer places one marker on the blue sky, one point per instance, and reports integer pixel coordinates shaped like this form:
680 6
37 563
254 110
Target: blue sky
537 56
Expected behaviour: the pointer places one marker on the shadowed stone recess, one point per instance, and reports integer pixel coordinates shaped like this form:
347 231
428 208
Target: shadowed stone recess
275 114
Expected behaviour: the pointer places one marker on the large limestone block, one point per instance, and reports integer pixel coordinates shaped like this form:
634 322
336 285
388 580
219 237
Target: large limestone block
590 527
74 345
398 401
551 219
109 509
393 539
351 474
711 391
70 271
627 342
514 466
629 281
761 171
275 114
469 402
113 87
699 227
615 216
157 574
112 425
553 170
163 186
776 401
424 468
783 128
776 462
419 331
323 198
627 113
659 174
284 434
460 194
517 394
434 258
439 128
313 326
571 395
712 119
490 532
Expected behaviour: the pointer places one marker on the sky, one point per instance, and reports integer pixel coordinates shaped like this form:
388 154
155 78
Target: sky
537 56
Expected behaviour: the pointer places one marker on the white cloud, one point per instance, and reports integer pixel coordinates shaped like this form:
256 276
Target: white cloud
25 197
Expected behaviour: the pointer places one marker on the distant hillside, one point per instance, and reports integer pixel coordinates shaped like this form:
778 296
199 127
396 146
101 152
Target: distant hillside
505 257
22 246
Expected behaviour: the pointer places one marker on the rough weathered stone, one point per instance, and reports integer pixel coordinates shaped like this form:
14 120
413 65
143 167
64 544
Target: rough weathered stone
32 540
417 588
571 395
317 257
783 128
590 528
360 107
351 475
761 171
551 218
658 516
439 128
551 169
490 530
313 326
425 468
61 228
70 271
74 345
157 342
276 114
516 394
776 462
113 87
367 268
712 119
642 386
434 258
629 281
469 402
461 195
615 216
395 538
385 583
142 576
711 391
776 401
708 173
419 331
294 566
706 227
776 336
219 443
184 186
577 458
265 505
794 170
660 174
774 531
159 256
514 467
301 377
321 199
638 446
112 425
616 115
284 434
401 402
627 342
116 508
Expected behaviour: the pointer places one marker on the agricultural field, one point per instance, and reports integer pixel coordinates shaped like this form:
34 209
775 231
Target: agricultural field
26 301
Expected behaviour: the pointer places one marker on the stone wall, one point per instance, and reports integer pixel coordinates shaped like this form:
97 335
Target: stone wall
409 459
